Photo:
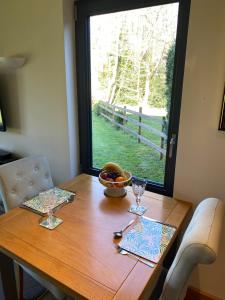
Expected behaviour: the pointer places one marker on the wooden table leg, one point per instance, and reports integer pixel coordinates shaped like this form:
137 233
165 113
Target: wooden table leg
8 277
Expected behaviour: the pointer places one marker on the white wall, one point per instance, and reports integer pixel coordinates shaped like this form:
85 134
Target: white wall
36 94
200 167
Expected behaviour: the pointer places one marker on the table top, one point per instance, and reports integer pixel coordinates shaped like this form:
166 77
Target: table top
80 254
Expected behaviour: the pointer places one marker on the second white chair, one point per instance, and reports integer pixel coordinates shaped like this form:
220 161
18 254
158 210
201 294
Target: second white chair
199 245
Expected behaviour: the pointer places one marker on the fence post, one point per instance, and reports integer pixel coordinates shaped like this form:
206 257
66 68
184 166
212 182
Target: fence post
139 119
124 114
162 138
113 113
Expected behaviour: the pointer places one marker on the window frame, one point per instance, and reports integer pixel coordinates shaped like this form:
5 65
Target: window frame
87 8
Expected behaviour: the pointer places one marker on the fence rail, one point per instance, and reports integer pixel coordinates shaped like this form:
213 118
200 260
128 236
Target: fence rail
109 112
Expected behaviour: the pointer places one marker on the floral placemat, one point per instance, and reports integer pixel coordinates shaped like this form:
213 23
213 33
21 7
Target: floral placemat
36 203
148 239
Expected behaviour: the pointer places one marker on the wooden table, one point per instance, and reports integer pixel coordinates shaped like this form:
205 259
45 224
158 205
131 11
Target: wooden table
80 255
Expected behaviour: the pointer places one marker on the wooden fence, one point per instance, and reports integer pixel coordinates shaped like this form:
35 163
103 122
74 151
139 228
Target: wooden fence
113 113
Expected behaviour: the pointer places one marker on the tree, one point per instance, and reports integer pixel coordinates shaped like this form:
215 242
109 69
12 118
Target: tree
131 63
169 74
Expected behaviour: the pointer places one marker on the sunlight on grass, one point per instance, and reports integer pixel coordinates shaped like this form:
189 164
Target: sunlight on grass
112 144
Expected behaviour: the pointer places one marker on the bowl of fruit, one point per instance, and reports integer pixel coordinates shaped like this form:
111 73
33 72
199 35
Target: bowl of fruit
115 179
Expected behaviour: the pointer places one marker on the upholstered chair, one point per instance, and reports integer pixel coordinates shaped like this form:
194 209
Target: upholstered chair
199 246
21 180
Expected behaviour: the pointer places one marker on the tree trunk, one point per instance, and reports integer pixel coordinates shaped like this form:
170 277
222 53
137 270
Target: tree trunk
115 71
145 98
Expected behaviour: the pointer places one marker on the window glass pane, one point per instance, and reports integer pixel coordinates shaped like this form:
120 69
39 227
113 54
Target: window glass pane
132 55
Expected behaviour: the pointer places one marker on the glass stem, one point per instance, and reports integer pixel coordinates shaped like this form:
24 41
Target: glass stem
138 200
50 216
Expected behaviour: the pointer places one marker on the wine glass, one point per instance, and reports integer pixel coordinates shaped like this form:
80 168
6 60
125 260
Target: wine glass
138 187
48 200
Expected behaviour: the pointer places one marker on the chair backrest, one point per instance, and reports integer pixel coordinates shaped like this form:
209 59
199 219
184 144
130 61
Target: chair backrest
199 246
23 179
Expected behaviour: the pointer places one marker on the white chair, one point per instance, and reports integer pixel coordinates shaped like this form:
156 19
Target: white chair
21 180
199 246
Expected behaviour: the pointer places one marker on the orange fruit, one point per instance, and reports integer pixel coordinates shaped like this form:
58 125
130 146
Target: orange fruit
120 178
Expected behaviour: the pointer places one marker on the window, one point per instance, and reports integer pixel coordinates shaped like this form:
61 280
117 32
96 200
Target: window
130 63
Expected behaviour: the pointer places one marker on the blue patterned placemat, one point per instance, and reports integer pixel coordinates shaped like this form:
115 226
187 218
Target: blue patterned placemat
36 204
148 239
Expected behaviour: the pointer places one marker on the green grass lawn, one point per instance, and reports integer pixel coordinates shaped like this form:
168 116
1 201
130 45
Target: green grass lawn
112 144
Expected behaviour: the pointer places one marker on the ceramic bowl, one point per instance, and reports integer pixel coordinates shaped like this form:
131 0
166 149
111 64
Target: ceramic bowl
115 189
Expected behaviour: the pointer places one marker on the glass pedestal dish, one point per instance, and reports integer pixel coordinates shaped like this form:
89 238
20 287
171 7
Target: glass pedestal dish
115 189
